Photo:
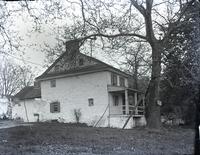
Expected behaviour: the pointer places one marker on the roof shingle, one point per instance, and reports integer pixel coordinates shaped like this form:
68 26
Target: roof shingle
28 92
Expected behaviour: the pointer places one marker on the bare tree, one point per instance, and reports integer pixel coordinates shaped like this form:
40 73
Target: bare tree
9 38
138 20
13 77
134 59
143 26
138 62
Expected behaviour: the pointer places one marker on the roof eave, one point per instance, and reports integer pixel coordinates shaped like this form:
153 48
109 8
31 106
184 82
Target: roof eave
81 73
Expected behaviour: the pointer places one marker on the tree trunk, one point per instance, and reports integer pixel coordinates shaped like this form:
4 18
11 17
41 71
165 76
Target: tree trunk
153 115
136 75
197 123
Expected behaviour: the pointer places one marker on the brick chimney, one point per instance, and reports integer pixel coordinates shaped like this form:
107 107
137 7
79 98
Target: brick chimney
72 47
72 50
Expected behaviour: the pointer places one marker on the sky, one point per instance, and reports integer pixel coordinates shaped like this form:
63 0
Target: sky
30 54
33 41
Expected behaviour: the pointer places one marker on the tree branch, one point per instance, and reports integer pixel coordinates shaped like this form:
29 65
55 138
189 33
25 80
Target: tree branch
140 8
113 36
174 25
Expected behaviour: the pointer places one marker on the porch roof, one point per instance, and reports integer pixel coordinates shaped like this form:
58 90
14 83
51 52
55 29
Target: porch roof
120 89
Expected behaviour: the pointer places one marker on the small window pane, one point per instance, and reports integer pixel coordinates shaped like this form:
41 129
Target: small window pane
115 100
122 81
91 102
81 62
55 107
114 79
57 68
53 83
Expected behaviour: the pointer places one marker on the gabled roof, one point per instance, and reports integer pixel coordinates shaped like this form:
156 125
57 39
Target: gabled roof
29 92
96 67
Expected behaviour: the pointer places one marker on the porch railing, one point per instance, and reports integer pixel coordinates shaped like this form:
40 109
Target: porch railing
135 110
138 109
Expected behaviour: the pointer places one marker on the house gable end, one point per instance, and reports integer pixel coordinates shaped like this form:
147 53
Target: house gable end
67 63
72 62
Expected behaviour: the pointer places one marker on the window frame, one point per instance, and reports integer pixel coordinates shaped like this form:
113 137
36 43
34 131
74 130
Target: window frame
53 106
90 102
114 80
120 81
115 100
56 68
53 83
81 62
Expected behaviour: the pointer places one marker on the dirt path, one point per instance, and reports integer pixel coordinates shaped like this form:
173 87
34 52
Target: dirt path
61 139
10 123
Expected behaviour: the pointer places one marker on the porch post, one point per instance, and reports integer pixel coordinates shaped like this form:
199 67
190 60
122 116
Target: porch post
143 100
126 101
109 96
143 104
135 97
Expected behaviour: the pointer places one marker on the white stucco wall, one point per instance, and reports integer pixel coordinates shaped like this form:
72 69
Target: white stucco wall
73 93
119 121
33 106
3 106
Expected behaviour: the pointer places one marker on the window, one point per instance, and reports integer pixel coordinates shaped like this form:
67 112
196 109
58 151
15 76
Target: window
122 81
56 68
53 83
55 107
115 100
91 102
81 62
114 79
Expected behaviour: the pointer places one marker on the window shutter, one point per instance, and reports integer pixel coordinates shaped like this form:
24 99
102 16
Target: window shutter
58 106
51 107
55 107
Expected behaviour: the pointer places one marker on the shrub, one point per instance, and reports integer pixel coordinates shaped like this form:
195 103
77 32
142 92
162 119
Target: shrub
77 114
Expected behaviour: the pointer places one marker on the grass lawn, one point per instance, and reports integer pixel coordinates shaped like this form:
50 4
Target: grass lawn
61 139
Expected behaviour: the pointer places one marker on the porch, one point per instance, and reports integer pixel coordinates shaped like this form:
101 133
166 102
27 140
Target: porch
126 104
126 101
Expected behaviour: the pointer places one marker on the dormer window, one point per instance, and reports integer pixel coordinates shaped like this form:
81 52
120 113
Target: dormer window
81 62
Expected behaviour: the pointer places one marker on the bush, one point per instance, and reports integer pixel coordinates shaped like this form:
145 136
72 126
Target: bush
77 114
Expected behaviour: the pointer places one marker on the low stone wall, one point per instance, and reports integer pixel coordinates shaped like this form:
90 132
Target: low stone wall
118 121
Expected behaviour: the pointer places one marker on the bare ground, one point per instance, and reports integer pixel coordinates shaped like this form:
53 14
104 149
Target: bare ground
68 139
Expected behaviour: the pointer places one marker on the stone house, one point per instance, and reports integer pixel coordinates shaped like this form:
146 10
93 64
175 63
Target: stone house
101 94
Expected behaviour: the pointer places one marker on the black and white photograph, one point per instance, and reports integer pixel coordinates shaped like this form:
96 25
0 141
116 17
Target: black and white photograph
99 77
